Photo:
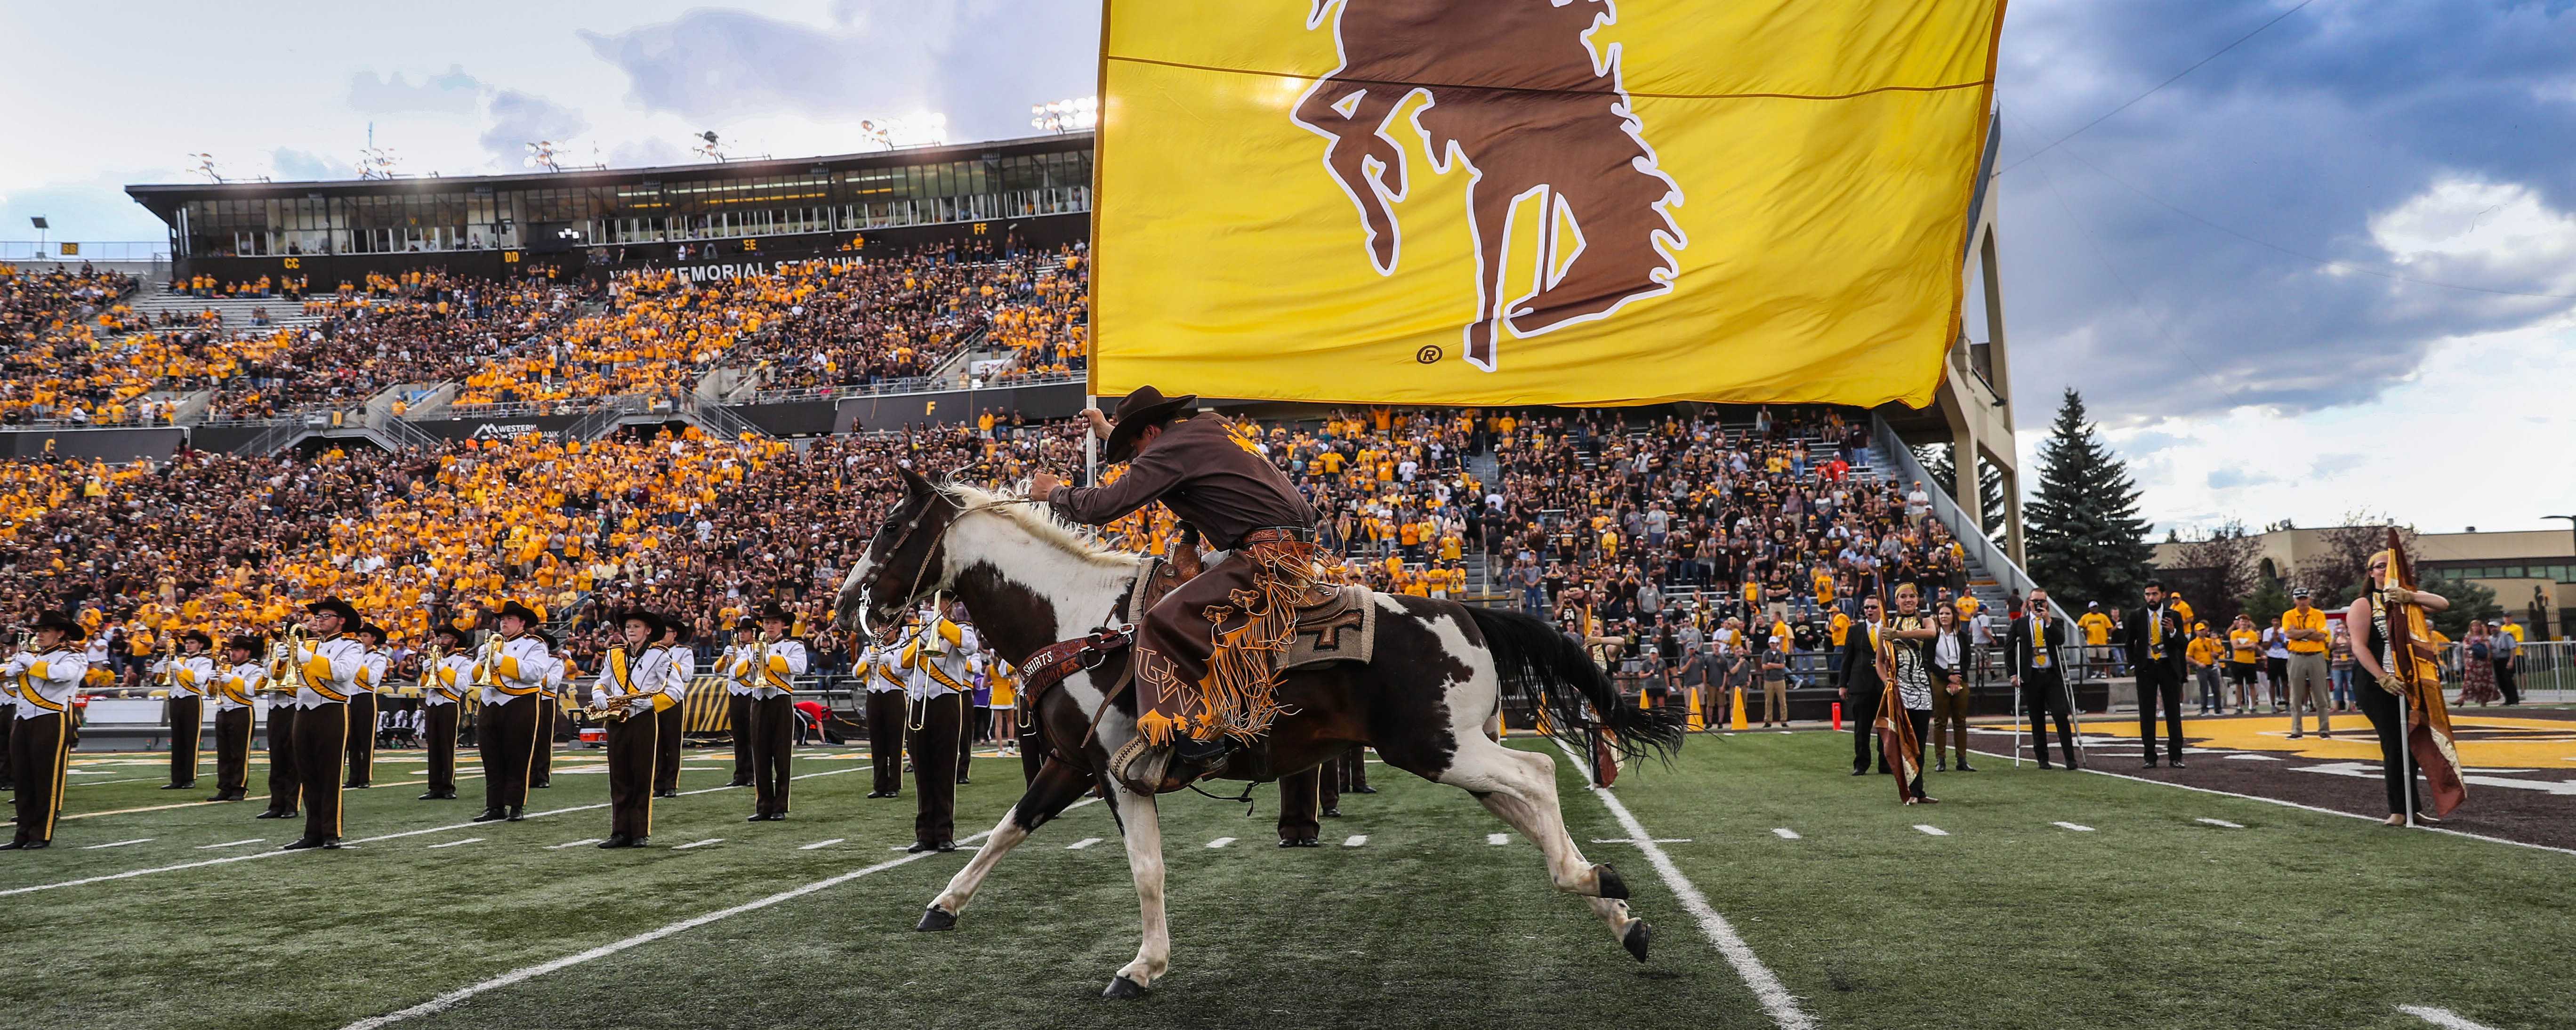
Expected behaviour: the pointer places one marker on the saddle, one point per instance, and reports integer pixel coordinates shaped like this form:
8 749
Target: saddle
1334 624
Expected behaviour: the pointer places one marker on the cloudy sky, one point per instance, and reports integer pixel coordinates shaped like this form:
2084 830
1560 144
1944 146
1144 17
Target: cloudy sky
2332 269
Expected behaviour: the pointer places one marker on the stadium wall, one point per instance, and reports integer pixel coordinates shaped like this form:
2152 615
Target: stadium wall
112 445
727 258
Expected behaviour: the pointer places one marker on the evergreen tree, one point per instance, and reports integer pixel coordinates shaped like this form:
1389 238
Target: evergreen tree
2270 597
2084 538
1990 484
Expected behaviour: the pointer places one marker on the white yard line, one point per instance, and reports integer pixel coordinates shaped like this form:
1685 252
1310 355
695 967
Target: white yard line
826 772
1498 838
1355 840
1785 833
448 1000
2220 822
1765 984
2074 827
1081 844
2308 808
103 783
457 843
131 873
2444 1018
820 844
230 844
573 843
699 843
116 843
1929 830
1219 842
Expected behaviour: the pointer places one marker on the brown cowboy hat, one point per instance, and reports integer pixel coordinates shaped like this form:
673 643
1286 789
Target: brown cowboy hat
521 612
772 612
348 614
72 631
1139 411
203 641
654 624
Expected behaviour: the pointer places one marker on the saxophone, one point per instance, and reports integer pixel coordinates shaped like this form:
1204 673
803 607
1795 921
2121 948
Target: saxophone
618 706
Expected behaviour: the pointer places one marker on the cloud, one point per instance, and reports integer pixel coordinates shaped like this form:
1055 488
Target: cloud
519 119
2345 138
2231 478
95 209
981 63
448 92
645 153
292 165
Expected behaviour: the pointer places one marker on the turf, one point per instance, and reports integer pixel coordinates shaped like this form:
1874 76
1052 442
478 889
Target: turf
2151 920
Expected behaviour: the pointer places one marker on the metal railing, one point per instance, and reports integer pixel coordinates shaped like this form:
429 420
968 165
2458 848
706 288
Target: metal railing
1981 551
2546 670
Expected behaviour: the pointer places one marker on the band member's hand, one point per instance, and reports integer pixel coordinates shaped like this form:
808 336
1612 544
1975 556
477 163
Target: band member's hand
1842 693
1043 484
1099 422
2396 596
1955 688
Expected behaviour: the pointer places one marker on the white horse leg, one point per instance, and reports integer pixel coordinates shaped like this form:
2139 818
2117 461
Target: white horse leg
945 908
1520 788
1056 786
1144 834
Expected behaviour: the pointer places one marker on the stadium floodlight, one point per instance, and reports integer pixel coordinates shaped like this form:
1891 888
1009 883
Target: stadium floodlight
1068 115
39 222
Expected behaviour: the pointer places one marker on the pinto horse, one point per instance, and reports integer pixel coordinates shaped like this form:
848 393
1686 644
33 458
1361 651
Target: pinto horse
1430 702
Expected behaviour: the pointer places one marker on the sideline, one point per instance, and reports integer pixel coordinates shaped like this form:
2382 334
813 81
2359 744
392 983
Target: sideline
451 998
228 859
1766 985
2309 808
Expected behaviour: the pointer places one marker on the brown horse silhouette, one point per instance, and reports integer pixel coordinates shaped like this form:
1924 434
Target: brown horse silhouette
1518 94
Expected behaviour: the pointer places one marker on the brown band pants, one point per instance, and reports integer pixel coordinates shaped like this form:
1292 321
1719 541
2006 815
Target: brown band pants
885 740
631 745
39 751
506 734
666 749
285 788
773 739
187 722
438 734
232 751
321 741
935 757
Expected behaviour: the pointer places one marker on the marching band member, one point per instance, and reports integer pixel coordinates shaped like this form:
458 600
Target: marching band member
332 664
285 788
190 674
1018 728
512 669
550 694
363 705
938 659
630 689
682 668
8 729
771 663
738 709
878 667
237 686
442 699
44 676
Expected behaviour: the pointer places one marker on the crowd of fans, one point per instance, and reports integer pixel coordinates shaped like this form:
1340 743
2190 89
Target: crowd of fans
1663 531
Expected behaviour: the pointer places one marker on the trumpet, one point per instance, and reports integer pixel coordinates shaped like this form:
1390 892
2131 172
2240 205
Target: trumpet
429 661
283 653
487 660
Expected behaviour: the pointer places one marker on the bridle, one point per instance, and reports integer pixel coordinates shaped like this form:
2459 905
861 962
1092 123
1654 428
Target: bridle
912 592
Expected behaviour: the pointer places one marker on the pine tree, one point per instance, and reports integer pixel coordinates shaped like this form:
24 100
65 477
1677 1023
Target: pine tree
1990 484
2084 538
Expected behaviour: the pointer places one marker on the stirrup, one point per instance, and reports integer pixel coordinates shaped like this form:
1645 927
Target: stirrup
1140 765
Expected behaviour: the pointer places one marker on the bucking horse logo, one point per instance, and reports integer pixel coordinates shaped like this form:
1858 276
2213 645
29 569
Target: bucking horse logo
1516 91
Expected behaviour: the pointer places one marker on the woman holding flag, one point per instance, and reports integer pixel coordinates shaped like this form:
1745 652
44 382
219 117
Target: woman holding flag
2405 701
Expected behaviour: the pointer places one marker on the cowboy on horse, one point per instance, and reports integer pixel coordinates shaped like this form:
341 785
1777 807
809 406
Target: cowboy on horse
1206 653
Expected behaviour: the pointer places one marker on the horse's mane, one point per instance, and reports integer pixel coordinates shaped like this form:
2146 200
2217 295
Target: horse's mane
1040 521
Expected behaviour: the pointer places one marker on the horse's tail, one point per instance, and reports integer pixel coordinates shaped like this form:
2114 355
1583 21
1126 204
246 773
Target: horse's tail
1539 661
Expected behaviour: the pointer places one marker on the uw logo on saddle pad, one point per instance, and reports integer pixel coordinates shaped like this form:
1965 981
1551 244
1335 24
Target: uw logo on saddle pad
1537 114
1510 202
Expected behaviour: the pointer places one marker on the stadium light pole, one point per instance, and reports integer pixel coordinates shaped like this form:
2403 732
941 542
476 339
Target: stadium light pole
41 227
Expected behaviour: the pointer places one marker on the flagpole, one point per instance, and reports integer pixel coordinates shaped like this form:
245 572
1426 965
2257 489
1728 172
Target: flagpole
2406 751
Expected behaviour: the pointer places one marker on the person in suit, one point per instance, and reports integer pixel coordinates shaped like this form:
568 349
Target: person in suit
1860 686
2034 647
1949 653
2155 641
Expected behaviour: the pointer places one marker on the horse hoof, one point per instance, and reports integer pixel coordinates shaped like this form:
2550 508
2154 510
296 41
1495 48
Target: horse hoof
936 918
1635 939
1122 989
1612 887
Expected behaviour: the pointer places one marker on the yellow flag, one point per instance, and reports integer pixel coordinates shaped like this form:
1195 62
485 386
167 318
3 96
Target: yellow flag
1522 201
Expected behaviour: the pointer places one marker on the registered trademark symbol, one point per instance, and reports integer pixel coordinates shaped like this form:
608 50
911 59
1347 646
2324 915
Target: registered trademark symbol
1428 355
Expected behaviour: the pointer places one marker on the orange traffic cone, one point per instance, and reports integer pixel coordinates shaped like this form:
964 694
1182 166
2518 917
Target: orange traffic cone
1736 719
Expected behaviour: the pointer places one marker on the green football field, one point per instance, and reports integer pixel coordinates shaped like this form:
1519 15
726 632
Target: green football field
1410 915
